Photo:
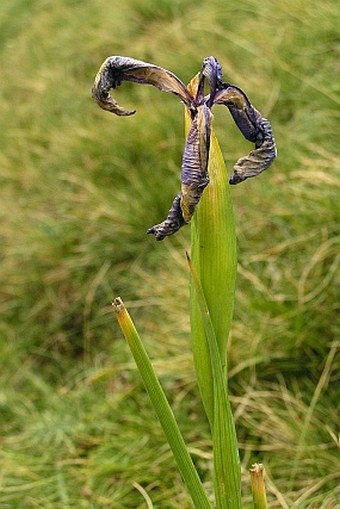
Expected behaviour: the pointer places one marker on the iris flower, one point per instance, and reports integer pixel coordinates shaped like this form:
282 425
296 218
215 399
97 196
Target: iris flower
194 171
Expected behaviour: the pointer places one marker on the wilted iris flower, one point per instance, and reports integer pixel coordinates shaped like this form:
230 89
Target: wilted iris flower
194 172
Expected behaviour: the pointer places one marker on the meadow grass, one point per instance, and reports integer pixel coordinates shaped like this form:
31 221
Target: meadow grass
79 188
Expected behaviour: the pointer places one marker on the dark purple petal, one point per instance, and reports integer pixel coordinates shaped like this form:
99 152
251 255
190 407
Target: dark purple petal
194 175
117 69
246 117
211 69
254 128
259 159
172 223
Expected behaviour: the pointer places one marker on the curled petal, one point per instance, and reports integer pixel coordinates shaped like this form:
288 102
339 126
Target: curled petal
254 128
172 223
246 117
211 69
194 175
117 69
257 160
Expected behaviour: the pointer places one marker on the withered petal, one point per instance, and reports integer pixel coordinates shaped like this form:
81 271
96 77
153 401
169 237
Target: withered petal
194 170
172 223
117 69
194 174
254 128
211 69
245 116
257 160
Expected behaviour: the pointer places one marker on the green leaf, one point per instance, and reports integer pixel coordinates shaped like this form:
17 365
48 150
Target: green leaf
162 407
227 470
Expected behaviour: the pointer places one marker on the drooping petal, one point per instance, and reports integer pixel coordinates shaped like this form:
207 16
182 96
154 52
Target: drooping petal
117 69
172 223
194 175
254 128
257 160
246 117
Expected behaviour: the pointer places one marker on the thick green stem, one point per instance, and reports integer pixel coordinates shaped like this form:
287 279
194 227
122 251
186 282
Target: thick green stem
213 253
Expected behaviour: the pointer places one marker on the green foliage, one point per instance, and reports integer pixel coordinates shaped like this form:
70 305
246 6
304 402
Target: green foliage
162 408
227 472
78 191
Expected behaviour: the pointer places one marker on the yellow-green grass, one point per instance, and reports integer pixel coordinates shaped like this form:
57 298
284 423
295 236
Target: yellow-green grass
79 188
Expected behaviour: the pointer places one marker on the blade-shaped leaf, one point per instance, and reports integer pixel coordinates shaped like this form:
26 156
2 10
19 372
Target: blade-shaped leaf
162 407
227 469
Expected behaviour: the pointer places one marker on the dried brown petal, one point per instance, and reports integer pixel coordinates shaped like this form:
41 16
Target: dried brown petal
117 69
246 117
172 223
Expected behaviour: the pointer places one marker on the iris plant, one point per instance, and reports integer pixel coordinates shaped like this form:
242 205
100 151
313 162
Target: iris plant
194 171
213 255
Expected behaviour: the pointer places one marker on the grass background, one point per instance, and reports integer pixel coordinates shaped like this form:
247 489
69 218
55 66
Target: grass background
80 187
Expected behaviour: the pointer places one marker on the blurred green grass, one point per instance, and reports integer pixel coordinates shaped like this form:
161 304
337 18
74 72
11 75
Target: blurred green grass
79 188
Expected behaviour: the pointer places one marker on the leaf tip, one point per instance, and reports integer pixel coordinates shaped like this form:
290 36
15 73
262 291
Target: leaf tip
118 305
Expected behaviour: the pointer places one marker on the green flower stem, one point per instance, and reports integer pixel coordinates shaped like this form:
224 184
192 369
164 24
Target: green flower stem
258 486
162 407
